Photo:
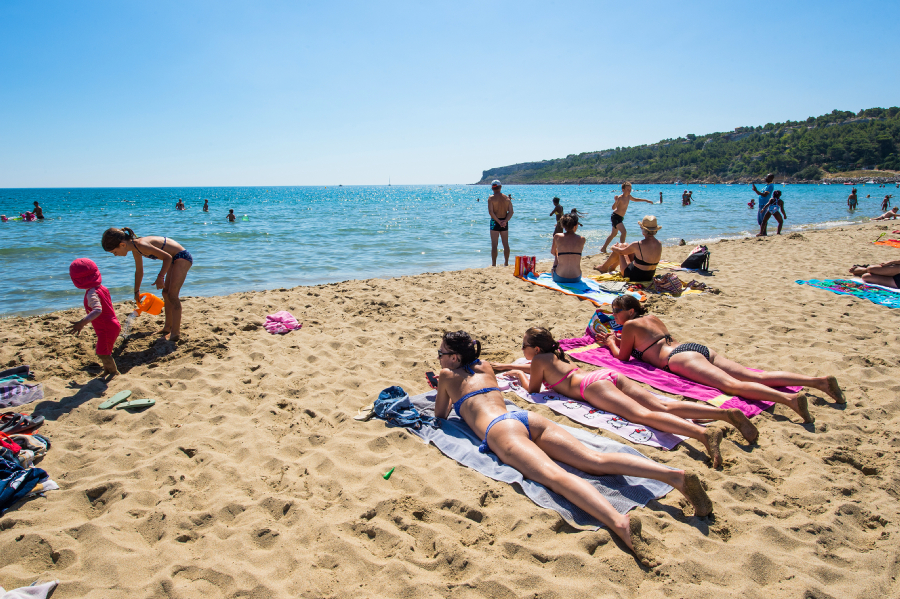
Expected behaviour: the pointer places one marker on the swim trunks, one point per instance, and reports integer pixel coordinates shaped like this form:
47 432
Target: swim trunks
616 219
495 226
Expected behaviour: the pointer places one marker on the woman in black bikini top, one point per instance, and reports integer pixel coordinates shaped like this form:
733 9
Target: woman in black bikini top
568 270
629 258
703 365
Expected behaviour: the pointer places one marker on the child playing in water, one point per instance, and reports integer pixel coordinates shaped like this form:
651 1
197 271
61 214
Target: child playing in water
101 314
231 217
176 262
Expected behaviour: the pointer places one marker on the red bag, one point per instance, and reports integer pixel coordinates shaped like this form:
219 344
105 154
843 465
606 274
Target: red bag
525 265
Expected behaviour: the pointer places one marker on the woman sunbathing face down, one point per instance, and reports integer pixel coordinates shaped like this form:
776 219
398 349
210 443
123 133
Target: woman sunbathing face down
530 443
617 394
646 338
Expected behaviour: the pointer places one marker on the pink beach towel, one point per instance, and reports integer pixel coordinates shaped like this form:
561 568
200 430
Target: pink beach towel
586 350
281 323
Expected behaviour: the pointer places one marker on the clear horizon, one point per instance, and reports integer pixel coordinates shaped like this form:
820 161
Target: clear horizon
233 94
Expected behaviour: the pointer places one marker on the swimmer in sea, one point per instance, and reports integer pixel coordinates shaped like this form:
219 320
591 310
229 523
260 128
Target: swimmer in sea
179 205
620 207
205 205
39 213
884 203
231 217
558 212
852 200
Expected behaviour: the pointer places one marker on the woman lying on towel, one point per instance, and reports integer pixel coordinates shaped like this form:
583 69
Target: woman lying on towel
530 443
646 338
617 394
886 274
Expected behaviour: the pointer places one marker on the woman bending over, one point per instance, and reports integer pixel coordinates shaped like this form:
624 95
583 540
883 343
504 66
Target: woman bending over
530 443
701 364
617 394
176 262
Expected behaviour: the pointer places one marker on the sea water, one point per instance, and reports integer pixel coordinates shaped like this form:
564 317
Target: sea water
310 235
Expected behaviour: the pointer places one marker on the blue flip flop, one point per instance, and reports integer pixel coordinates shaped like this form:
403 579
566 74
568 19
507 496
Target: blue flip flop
114 400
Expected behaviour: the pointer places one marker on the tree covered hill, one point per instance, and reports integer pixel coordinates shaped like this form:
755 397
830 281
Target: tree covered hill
800 150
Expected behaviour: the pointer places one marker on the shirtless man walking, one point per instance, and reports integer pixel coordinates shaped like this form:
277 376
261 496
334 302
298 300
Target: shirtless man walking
500 209
620 207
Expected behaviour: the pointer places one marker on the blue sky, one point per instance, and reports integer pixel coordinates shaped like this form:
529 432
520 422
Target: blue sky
293 93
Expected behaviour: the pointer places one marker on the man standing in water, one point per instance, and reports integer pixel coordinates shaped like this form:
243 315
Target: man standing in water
620 207
764 196
500 210
39 213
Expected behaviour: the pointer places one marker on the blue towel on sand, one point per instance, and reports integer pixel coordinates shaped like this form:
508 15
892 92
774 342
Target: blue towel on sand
588 289
457 441
874 293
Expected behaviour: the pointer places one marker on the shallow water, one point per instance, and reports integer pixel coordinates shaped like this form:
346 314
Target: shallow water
311 235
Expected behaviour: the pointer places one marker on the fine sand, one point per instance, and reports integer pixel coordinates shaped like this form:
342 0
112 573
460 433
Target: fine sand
250 479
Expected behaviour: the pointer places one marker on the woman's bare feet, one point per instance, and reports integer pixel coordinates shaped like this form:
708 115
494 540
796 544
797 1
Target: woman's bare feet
696 494
599 268
740 421
800 404
639 544
858 270
713 440
834 390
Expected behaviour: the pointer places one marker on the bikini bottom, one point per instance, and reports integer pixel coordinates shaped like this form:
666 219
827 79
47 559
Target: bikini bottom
685 347
520 415
604 374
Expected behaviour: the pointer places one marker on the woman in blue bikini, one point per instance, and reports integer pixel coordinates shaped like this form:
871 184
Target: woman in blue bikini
701 364
530 443
176 262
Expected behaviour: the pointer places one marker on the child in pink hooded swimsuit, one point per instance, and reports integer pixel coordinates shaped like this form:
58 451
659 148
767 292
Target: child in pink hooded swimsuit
101 314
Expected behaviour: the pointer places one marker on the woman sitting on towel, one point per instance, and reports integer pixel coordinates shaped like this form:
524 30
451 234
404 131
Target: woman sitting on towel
636 260
617 394
645 337
530 443
567 248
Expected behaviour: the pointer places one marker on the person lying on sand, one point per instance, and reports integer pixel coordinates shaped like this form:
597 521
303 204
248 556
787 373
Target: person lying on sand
701 364
617 394
889 215
886 274
530 443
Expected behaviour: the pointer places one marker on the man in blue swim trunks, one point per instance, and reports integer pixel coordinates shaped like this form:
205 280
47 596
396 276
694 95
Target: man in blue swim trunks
500 209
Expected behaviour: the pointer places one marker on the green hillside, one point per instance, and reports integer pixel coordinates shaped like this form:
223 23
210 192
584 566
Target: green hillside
799 150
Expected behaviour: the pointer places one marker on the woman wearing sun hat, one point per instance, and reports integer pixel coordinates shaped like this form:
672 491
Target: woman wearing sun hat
637 260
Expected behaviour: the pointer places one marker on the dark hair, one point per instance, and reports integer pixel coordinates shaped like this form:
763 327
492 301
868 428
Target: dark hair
543 340
570 220
556 200
777 193
460 342
231 211
628 302
112 237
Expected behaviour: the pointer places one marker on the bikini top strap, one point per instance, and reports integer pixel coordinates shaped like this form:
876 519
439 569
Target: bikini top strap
468 367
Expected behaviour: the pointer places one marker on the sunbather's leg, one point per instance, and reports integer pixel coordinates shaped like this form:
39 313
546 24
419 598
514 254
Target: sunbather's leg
689 409
780 378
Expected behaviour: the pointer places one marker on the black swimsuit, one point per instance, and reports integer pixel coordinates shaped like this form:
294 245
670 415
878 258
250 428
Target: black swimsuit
634 273
679 349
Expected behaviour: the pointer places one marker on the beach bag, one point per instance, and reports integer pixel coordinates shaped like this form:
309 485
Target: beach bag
668 283
525 265
393 405
698 259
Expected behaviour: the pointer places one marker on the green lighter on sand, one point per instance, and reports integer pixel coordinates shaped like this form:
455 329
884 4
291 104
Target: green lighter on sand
388 474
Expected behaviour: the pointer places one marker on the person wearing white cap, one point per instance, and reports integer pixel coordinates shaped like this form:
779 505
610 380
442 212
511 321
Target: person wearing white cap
637 260
620 206
500 209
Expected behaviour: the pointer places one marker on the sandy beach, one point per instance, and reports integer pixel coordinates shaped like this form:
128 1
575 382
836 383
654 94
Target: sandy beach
249 477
